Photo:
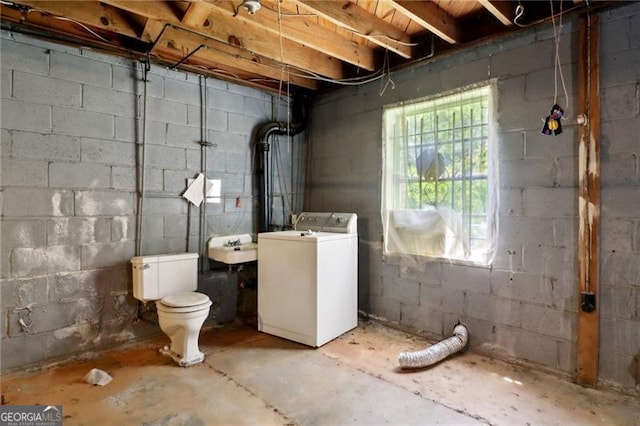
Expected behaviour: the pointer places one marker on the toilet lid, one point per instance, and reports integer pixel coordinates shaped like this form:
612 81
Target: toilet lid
184 300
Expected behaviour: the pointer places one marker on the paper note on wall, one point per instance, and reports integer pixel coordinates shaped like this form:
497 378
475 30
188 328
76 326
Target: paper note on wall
194 192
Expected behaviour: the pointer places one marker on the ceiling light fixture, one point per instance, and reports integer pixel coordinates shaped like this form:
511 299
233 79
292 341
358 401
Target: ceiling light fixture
252 6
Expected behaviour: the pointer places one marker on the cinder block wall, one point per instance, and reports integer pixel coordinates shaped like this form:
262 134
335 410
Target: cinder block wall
525 305
70 123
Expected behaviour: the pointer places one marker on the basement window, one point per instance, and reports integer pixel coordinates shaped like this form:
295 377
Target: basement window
439 195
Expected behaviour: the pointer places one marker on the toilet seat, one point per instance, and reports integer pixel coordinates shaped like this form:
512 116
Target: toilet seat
184 302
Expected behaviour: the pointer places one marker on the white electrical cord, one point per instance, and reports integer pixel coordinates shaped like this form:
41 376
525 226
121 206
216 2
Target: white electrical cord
557 66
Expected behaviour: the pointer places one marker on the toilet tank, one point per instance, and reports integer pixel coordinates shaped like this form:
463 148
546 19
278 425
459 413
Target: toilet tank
157 276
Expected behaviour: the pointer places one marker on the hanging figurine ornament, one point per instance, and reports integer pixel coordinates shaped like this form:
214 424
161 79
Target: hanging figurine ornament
552 125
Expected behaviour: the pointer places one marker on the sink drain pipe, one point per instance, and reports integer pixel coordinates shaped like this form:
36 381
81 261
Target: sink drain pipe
436 352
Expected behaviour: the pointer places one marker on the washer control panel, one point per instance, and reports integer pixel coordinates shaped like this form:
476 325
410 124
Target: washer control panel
343 223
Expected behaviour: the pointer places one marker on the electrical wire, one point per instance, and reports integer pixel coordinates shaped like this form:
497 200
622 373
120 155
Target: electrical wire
557 66
388 73
402 43
310 75
344 27
354 81
283 66
217 71
277 154
80 24
520 13
29 9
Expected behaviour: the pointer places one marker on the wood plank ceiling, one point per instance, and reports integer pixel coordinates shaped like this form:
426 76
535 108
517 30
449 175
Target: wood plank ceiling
315 45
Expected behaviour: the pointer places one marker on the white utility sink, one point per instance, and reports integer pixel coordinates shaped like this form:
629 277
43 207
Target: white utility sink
233 249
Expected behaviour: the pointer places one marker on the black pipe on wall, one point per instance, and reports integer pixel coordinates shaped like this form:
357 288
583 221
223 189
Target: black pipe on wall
299 107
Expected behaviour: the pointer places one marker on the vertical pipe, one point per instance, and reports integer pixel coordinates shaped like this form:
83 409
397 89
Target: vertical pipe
188 244
202 249
141 163
201 209
204 142
262 147
588 201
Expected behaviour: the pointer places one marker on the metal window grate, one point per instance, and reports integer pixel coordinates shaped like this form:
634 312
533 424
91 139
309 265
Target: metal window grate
440 159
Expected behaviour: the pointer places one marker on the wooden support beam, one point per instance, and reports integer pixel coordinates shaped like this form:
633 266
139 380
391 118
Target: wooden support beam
196 15
301 30
93 14
504 11
221 55
589 199
234 32
431 17
152 30
369 26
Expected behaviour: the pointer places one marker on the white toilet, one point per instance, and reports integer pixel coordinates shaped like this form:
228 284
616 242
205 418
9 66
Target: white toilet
171 280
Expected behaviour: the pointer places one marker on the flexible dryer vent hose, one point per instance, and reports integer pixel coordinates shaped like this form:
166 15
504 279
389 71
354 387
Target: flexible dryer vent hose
437 352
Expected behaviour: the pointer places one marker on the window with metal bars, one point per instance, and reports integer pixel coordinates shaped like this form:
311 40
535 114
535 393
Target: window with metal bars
438 179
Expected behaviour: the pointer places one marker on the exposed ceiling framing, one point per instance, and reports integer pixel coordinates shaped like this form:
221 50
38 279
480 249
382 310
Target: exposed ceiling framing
316 45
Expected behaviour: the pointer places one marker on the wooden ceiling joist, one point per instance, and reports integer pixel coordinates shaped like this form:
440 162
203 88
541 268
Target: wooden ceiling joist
196 15
313 44
431 17
221 55
302 31
252 39
89 13
369 26
502 10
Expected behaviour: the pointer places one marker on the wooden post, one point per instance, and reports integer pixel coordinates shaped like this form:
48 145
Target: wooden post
588 201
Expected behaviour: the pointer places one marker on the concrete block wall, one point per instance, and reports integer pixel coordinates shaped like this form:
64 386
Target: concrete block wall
71 123
620 198
524 306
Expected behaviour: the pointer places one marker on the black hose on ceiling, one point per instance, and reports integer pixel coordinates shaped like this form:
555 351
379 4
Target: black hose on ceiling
299 107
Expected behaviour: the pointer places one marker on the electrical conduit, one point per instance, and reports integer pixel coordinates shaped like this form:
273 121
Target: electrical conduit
203 168
142 153
436 352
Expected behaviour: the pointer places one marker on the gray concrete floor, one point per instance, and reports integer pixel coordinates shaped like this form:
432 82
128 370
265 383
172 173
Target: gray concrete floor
253 378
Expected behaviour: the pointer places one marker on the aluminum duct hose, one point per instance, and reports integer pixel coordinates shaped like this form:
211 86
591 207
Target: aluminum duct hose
437 352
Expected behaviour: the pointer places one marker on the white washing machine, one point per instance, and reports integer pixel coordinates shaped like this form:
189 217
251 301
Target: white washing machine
308 279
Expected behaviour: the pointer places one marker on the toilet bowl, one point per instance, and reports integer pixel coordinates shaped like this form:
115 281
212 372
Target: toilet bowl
170 281
180 317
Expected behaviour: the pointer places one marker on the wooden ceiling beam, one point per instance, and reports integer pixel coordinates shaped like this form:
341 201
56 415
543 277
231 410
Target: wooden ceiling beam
89 13
431 17
196 15
222 56
346 14
250 38
502 10
152 30
230 59
303 31
64 31
162 10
